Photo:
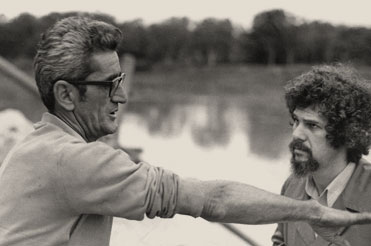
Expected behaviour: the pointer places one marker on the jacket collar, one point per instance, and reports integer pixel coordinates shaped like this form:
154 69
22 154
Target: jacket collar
336 187
352 199
49 118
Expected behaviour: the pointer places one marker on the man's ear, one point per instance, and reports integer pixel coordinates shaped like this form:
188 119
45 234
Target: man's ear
65 94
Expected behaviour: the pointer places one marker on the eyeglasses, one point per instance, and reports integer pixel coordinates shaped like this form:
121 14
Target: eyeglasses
114 84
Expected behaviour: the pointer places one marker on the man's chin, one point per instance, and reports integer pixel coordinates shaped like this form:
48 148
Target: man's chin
299 172
303 168
111 128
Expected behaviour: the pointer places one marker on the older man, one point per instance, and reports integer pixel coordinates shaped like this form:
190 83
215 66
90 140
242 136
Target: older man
62 187
330 108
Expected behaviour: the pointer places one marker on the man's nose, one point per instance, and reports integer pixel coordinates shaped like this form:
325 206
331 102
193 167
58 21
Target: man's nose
119 96
298 132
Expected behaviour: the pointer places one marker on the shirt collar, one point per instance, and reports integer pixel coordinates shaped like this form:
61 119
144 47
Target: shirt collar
334 189
49 118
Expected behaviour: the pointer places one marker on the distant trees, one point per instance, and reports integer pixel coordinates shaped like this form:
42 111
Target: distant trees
168 41
279 38
315 42
353 44
135 38
272 38
176 41
212 41
19 37
276 37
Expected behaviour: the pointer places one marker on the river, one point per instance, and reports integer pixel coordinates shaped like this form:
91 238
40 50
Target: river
207 137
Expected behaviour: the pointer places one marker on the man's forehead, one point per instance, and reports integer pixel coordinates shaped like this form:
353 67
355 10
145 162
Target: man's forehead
105 65
309 113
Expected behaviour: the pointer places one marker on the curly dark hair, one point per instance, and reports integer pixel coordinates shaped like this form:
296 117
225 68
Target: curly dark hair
343 98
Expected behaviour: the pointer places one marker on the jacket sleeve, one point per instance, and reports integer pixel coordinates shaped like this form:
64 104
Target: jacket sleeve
96 179
277 237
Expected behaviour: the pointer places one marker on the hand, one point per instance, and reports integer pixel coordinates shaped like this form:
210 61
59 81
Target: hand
330 217
331 221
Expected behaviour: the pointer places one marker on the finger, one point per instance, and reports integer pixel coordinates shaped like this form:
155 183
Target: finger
363 218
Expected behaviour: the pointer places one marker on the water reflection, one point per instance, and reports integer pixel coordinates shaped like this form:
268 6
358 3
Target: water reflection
268 130
241 137
164 119
234 137
207 125
214 128
212 120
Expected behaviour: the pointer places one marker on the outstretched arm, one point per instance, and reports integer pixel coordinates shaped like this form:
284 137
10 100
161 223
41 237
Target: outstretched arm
232 202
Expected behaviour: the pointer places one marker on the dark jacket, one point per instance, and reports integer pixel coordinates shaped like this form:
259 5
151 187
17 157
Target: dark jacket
356 197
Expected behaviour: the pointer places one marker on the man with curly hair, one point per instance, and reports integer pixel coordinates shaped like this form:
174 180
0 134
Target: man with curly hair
330 108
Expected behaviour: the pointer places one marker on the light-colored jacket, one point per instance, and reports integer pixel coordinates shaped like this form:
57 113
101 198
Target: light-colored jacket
56 189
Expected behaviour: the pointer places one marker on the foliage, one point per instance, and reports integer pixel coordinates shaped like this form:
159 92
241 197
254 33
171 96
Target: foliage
212 40
272 38
276 37
169 40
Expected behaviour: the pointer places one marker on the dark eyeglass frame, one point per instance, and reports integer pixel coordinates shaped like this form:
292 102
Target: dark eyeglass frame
113 84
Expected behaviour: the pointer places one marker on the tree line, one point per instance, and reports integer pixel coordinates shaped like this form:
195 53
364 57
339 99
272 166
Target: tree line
276 37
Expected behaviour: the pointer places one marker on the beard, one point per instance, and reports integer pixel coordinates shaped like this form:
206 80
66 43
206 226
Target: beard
302 168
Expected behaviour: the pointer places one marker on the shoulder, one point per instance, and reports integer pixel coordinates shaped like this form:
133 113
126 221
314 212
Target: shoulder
293 180
68 146
362 173
42 146
94 163
95 152
357 194
50 135
294 187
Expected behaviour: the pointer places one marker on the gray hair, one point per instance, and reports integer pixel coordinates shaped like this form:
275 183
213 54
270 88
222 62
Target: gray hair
64 52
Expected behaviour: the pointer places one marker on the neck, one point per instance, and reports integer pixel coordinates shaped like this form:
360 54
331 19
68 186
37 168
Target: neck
70 119
328 171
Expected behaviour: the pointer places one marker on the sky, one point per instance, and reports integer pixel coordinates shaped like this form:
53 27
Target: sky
240 12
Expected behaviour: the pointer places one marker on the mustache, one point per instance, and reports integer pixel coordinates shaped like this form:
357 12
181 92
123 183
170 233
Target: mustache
298 144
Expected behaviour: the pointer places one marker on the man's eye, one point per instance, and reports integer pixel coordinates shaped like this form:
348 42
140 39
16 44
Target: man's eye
312 126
